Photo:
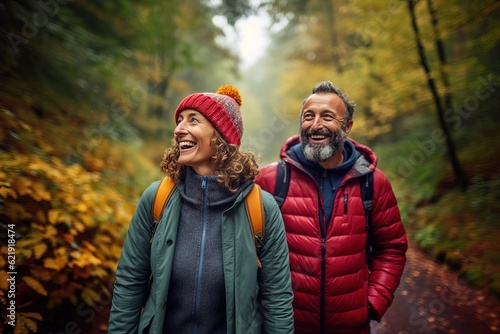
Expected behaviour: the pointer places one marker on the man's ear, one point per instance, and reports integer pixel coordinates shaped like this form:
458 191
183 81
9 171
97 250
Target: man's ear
349 127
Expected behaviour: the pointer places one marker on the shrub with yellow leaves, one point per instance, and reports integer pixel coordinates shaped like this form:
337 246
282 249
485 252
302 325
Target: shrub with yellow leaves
67 224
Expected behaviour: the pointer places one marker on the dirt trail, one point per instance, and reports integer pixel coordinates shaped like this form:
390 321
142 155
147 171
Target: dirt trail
431 300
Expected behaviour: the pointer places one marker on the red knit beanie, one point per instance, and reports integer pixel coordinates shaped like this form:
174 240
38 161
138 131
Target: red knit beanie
222 109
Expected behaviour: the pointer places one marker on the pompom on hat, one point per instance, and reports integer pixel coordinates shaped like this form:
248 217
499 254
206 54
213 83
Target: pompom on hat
222 109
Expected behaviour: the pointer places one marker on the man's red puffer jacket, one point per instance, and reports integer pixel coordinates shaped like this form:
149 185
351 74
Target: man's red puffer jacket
333 286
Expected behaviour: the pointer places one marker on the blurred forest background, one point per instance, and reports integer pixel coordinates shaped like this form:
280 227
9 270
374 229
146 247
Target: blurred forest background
87 95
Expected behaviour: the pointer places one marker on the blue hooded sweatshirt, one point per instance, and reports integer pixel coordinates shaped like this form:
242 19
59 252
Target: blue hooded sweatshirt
328 180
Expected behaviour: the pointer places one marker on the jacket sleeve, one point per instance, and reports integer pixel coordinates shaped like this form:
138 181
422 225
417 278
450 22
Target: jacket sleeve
389 245
132 275
274 277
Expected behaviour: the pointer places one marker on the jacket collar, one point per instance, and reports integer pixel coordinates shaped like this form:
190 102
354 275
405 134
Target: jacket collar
191 190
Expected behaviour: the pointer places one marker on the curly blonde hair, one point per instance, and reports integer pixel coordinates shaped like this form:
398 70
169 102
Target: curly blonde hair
232 166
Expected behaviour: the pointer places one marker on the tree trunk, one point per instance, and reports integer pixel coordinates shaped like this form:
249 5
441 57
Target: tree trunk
159 88
462 179
460 176
334 41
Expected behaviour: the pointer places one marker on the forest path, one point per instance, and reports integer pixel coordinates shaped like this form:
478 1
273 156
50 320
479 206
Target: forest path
431 300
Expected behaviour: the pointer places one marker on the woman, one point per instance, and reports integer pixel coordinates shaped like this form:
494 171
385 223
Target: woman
205 278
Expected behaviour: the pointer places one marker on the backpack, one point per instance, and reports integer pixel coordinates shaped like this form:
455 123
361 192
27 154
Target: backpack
366 184
253 206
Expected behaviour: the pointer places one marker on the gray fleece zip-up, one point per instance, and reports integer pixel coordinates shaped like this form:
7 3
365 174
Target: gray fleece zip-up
257 300
196 297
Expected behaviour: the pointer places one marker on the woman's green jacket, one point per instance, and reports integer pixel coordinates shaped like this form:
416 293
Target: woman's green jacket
257 300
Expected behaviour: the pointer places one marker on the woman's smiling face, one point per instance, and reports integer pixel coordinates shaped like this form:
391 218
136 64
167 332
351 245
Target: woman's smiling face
193 134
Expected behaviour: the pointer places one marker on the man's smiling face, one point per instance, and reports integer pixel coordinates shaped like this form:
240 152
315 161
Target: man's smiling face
323 127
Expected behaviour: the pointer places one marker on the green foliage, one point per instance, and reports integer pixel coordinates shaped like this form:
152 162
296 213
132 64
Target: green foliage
483 197
414 171
495 285
428 237
234 9
461 230
475 275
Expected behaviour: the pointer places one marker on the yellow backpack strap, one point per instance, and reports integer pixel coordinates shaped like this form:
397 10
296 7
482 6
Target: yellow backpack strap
255 212
161 198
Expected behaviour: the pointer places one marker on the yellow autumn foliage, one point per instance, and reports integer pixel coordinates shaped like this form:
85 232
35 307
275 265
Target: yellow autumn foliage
4 284
39 250
69 223
85 259
55 263
35 285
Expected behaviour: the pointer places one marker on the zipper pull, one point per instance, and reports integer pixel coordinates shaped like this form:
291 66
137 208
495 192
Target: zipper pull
345 204
204 182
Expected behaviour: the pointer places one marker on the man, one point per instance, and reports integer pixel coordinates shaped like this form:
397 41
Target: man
335 288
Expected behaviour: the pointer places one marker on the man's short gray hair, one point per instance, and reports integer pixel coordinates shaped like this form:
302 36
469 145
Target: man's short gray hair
328 87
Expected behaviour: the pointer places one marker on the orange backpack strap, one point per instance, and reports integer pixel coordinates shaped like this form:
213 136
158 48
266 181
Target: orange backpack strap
161 198
255 212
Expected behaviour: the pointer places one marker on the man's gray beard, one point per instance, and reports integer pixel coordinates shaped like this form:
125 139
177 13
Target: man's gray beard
321 153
